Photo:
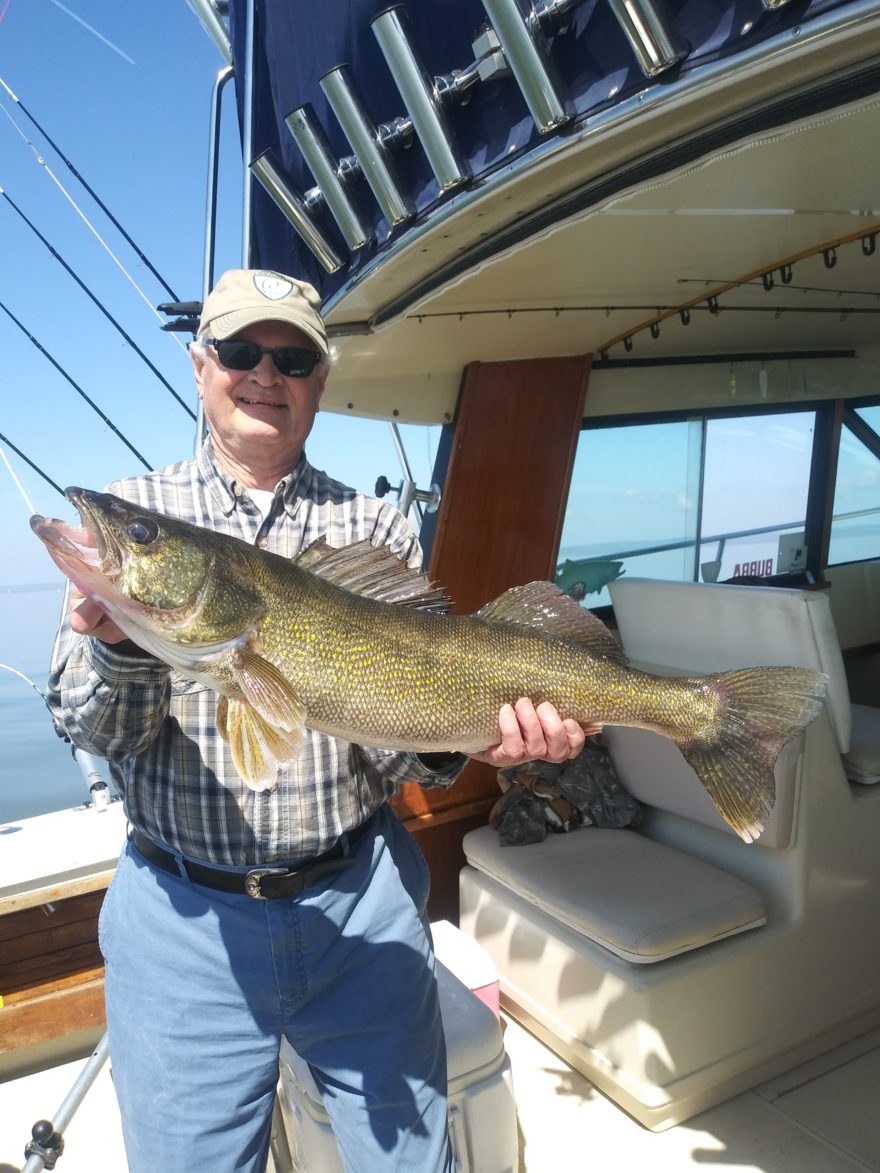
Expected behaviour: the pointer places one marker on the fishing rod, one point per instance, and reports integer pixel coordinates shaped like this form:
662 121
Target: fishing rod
77 175
96 301
103 243
39 471
113 428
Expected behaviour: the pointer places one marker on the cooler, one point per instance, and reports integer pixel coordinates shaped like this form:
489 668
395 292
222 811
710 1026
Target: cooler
482 1109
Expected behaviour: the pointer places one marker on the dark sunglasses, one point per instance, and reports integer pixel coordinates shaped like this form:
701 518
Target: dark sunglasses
241 355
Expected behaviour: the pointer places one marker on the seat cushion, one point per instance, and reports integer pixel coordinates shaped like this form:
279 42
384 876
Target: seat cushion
862 762
638 898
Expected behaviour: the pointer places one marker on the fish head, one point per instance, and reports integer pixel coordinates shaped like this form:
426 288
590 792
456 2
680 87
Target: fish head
152 573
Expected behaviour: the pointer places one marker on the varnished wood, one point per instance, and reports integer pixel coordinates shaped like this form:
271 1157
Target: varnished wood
516 432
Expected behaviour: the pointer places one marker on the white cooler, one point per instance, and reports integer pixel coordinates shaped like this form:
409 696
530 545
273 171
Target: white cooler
482 1109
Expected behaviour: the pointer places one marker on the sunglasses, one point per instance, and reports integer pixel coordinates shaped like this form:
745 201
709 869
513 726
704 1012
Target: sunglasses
241 355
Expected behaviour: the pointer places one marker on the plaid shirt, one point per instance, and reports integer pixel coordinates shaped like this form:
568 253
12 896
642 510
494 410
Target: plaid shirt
158 730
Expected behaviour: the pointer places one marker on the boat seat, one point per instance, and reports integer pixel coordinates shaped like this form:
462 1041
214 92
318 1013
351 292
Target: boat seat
640 899
618 947
854 597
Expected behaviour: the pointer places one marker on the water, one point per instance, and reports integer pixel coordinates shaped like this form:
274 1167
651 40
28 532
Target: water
37 771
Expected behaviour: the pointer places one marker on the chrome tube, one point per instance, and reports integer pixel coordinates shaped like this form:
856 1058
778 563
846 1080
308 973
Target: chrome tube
375 163
266 171
247 135
315 149
213 26
651 31
420 97
528 62
211 213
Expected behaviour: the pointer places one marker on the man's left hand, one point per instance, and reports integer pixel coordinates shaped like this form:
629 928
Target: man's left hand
529 734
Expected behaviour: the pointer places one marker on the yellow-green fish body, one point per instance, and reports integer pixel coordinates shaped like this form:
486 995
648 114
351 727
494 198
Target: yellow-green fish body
352 643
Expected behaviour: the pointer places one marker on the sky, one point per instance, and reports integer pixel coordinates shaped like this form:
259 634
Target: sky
124 90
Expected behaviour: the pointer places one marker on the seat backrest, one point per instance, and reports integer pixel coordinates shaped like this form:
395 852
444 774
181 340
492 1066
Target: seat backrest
855 602
707 627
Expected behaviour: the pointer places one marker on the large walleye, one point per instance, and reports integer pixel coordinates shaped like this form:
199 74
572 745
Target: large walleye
350 642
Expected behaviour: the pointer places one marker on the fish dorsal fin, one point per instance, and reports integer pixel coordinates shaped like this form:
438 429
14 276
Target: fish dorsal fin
375 572
542 606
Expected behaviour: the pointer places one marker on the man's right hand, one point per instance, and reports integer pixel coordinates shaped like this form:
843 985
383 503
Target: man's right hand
87 618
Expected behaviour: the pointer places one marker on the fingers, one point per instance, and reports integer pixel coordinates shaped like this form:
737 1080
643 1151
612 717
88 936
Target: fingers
87 618
529 733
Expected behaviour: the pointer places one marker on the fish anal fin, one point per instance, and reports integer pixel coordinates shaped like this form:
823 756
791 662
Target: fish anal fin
375 572
542 606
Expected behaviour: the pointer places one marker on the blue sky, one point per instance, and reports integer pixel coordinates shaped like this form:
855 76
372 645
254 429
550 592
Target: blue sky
124 90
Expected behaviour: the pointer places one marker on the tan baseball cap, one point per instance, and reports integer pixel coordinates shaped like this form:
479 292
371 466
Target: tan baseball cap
243 297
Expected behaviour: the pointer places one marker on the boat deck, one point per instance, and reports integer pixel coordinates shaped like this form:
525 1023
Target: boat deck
818 1118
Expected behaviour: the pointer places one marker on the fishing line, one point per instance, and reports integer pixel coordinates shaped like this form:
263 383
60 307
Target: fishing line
18 452
97 302
90 190
42 162
77 388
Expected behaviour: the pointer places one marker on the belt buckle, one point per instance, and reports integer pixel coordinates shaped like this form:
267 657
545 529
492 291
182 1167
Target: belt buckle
254 878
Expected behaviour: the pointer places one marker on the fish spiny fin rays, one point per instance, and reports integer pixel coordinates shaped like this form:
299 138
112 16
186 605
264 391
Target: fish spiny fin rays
266 729
762 709
543 607
375 572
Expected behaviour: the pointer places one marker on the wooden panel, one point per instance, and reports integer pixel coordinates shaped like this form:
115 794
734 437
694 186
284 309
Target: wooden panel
516 433
65 1010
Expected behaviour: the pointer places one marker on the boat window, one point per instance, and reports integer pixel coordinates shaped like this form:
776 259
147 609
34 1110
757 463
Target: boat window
687 500
855 524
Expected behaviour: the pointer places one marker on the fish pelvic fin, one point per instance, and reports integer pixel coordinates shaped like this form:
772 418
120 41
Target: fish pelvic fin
761 710
541 606
265 728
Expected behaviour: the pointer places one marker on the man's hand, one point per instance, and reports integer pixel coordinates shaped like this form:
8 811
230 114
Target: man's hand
528 733
87 618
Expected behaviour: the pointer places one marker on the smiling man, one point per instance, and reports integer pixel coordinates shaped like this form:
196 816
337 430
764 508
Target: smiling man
237 917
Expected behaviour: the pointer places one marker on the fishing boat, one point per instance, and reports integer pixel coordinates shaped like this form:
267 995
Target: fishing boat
625 255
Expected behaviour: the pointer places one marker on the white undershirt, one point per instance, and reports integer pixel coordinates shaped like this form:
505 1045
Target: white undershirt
262 498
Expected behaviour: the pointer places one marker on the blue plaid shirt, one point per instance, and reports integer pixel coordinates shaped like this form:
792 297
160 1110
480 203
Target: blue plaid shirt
158 730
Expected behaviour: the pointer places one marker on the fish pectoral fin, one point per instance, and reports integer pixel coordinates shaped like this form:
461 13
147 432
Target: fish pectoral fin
258 749
268 691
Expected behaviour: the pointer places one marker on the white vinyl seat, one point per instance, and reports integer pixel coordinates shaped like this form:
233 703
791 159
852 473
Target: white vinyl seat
676 965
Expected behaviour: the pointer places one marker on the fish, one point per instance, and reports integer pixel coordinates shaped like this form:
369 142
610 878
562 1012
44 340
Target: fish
351 642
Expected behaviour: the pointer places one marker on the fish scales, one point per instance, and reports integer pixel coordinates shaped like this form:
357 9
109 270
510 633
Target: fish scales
348 642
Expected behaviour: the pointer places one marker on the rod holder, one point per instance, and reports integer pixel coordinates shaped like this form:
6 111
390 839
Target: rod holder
652 33
309 136
370 151
266 170
420 97
526 54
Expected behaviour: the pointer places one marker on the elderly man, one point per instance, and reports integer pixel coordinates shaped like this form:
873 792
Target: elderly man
203 980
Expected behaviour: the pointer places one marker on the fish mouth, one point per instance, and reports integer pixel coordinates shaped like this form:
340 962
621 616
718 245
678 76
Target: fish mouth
89 551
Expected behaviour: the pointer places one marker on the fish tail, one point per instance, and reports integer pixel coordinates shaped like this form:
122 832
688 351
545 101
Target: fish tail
760 711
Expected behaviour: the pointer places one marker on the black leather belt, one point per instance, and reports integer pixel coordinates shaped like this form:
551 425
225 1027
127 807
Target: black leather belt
261 883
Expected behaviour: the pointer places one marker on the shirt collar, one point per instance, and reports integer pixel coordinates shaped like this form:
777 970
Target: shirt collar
226 491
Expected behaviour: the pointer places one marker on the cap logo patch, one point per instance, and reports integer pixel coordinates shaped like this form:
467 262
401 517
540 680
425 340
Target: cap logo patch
272 286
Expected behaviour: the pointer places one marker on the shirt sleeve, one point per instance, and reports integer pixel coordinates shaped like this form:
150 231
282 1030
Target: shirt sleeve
108 702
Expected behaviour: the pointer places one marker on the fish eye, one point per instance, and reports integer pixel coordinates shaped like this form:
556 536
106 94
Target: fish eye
142 530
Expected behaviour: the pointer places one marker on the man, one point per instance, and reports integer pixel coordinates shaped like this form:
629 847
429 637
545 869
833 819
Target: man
205 973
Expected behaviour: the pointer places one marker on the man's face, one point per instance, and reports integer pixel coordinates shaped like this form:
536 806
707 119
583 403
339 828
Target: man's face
260 414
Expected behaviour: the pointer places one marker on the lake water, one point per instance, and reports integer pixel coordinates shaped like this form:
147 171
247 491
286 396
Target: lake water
37 770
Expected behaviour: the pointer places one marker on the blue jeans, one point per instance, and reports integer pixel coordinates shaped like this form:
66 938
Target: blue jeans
201 986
